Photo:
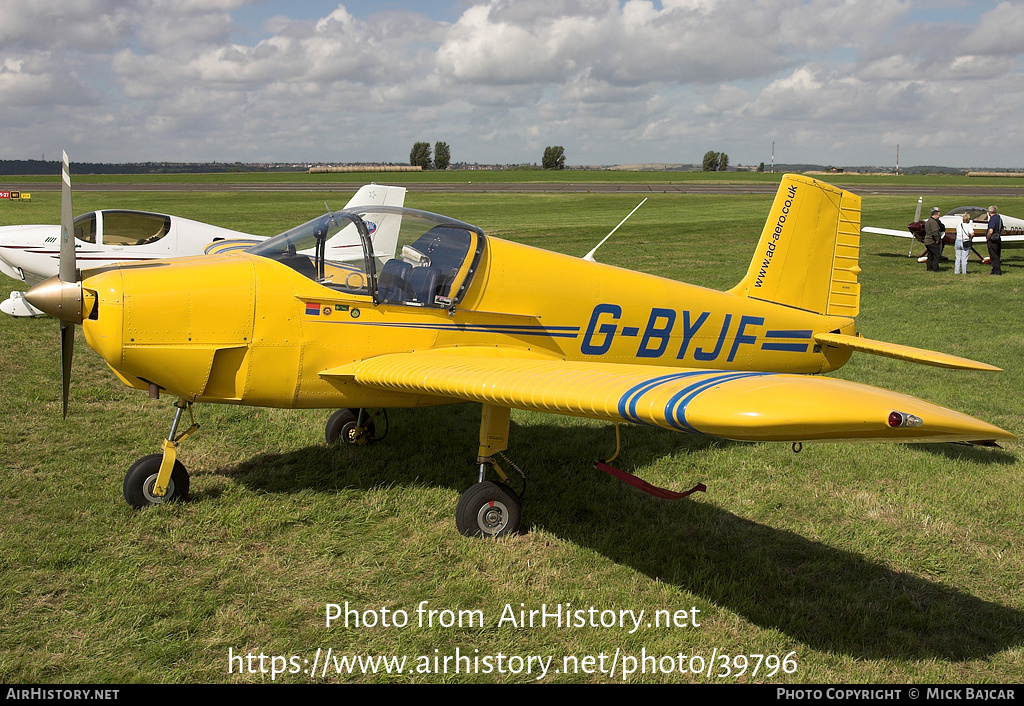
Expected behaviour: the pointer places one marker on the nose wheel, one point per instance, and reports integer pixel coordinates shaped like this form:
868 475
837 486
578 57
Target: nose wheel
161 478
141 479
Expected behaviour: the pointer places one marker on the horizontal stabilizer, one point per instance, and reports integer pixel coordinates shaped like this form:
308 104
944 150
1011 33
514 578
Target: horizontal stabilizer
887 231
230 245
895 350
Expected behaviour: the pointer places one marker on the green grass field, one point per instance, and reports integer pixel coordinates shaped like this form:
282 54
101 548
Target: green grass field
841 564
532 176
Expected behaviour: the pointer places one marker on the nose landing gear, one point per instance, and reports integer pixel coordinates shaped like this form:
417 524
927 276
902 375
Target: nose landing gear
141 480
161 478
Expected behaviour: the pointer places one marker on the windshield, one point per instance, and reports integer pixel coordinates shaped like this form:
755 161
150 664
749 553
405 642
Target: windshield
396 255
976 213
85 227
134 227
304 247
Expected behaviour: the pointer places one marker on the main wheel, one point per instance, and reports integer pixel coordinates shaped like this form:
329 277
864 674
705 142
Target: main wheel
489 509
141 478
343 425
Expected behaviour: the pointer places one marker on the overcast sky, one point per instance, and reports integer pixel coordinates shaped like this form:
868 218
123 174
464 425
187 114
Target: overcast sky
839 82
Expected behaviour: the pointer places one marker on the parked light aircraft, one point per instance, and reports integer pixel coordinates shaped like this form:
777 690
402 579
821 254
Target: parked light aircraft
30 252
1013 229
463 317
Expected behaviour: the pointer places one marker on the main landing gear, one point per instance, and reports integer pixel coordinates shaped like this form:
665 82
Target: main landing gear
490 508
354 426
161 478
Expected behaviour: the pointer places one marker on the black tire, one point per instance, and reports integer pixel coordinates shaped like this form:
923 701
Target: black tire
342 425
141 477
488 509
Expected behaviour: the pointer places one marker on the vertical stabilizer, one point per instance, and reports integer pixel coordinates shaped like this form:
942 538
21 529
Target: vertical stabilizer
807 255
346 245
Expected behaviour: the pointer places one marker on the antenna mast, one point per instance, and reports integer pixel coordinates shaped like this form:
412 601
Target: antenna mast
590 255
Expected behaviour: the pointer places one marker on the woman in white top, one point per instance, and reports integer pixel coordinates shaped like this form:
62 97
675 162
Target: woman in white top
962 245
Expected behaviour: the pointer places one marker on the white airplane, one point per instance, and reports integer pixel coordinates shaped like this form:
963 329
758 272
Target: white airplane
1013 229
29 253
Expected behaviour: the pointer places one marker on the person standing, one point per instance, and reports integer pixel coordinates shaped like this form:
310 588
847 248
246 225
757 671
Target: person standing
962 244
934 231
994 238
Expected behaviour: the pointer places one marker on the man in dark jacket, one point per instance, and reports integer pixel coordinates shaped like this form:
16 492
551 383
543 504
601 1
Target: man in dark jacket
993 237
934 231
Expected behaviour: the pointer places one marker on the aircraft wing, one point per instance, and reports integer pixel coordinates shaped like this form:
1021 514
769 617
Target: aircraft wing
887 231
1008 241
739 405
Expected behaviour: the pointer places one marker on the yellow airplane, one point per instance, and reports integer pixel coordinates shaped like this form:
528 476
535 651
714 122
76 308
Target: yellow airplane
459 316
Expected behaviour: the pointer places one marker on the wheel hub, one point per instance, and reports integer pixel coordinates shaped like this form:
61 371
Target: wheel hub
147 490
492 517
355 435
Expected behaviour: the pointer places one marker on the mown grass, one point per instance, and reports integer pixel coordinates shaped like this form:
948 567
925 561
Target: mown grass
528 176
870 563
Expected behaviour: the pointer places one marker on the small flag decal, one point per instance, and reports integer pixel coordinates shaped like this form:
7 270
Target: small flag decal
312 308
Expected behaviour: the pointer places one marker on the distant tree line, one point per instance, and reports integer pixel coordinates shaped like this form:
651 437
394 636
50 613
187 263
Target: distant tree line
554 157
420 156
29 167
437 157
716 161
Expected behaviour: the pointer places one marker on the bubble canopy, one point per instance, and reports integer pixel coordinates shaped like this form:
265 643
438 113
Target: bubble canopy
430 263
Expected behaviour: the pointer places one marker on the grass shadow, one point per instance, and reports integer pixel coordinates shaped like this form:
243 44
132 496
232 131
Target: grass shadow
967 452
827 598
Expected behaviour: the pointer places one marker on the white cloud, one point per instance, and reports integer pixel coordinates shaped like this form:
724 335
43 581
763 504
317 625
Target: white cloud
613 81
83 25
998 32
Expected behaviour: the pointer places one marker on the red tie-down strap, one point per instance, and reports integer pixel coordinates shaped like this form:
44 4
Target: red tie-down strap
645 486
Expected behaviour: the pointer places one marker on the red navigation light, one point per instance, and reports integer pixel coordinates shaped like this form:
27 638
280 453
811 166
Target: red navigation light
900 419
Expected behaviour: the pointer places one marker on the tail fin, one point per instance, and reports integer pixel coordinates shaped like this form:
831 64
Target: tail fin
807 255
377 195
346 244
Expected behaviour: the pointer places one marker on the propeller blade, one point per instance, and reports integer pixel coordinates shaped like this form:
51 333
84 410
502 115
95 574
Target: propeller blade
67 350
62 296
68 271
917 217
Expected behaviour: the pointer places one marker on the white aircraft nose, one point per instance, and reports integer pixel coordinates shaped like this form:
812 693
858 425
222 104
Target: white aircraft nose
14 262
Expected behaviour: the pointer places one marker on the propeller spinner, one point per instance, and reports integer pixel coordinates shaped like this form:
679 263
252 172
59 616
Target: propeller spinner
61 296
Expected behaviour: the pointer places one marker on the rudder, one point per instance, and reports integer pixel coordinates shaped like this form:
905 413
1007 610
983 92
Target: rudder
808 252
